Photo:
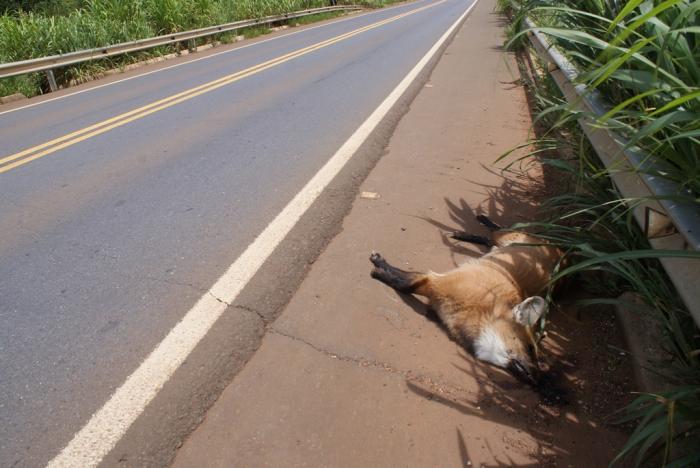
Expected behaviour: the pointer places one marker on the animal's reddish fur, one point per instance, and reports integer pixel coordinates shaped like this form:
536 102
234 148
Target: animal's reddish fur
482 293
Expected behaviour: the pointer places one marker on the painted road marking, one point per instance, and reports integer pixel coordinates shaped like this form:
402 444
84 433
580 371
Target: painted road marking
12 161
108 425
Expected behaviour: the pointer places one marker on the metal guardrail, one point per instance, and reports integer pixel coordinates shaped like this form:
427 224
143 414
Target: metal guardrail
47 64
668 223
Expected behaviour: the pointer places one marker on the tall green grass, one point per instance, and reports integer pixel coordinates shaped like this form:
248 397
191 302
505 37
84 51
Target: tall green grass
49 7
51 30
643 58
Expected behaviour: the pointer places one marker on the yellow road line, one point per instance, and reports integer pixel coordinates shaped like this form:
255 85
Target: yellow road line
153 104
39 151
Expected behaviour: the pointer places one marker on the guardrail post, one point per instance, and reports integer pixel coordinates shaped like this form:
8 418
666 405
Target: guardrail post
192 45
53 86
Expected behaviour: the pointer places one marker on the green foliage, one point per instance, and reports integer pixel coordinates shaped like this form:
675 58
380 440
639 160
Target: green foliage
642 57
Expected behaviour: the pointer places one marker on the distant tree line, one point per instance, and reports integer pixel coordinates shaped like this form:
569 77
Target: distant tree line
51 7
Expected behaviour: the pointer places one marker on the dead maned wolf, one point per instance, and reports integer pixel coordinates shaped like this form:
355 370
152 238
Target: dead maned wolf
489 304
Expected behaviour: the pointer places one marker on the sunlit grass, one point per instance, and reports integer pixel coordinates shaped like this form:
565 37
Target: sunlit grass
643 58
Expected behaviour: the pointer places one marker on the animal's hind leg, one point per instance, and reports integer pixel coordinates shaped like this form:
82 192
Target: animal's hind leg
486 221
403 281
471 238
474 239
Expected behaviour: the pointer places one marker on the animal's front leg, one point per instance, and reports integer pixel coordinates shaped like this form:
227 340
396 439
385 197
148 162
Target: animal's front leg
408 282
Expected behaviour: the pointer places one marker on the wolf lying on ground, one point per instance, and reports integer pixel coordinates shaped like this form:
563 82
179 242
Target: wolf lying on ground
489 304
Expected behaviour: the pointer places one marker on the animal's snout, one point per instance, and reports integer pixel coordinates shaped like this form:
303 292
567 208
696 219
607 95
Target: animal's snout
524 372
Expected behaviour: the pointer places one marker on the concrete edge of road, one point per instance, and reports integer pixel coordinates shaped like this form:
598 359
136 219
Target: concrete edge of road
153 438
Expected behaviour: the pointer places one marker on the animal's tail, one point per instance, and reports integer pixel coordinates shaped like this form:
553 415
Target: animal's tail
408 282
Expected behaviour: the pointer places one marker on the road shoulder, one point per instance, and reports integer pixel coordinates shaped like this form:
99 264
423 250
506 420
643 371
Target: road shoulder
352 374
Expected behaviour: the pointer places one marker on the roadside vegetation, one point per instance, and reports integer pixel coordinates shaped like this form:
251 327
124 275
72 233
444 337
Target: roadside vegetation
31 29
643 58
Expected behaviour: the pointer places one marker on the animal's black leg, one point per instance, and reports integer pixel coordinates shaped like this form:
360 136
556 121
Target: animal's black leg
471 238
400 280
483 219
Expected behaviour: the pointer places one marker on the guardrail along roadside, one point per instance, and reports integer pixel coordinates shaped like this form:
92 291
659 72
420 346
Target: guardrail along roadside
615 89
668 222
47 65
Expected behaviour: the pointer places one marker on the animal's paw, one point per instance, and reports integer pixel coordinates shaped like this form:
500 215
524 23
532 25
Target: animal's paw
376 259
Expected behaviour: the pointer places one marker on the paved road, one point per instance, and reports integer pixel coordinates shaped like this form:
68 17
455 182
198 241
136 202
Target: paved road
110 236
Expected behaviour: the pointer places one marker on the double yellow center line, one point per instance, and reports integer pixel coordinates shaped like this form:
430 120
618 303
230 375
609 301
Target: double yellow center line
12 161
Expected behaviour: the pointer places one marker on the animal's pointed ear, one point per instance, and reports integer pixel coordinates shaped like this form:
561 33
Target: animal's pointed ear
529 311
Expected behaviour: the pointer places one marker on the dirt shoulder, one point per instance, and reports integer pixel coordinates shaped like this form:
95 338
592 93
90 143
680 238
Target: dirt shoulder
353 374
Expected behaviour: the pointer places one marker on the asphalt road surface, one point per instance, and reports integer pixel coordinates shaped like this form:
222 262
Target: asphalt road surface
122 202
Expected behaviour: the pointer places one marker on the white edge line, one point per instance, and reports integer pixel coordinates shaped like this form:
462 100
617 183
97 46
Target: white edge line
106 427
187 62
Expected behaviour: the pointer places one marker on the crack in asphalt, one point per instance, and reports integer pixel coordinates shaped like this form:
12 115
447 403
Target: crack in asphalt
253 311
362 362
241 307
218 298
440 389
